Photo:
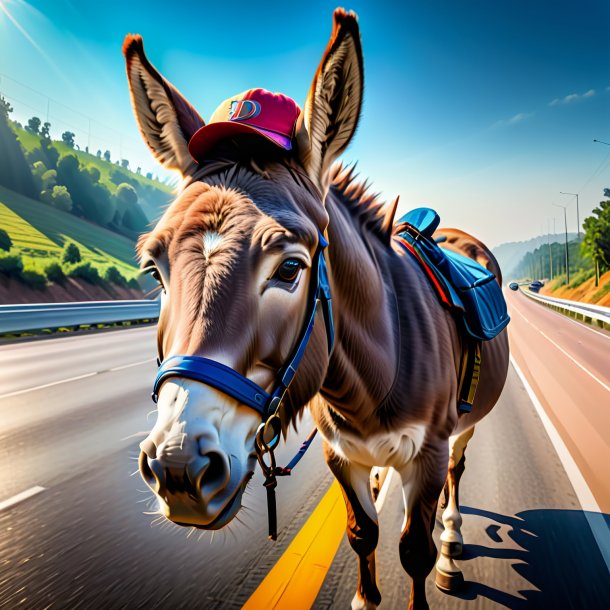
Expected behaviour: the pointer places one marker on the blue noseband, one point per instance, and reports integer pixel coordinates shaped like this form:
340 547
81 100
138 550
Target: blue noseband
237 386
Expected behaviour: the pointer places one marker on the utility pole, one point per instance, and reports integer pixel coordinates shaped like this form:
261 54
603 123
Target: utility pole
548 242
577 212
565 220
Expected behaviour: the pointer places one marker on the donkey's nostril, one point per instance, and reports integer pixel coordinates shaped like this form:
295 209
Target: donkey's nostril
215 475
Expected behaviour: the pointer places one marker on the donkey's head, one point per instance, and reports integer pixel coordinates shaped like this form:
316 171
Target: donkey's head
238 256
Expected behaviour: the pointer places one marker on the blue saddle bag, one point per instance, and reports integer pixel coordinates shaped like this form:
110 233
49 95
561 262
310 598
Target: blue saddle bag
471 289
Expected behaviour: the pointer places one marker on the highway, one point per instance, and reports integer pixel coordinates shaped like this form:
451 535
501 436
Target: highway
73 410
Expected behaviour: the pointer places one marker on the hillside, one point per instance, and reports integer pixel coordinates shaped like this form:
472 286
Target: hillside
585 292
39 232
153 196
510 254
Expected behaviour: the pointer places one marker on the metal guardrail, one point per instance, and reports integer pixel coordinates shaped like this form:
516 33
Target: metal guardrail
38 316
587 312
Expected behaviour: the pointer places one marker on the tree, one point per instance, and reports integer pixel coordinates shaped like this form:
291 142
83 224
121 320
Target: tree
124 163
71 254
5 108
107 155
15 172
44 132
596 240
33 125
68 138
149 175
58 197
98 154
6 243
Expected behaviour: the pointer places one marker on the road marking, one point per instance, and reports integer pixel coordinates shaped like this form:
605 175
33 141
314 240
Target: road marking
296 579
128 366
591 510
24 495
47 385
76 378
578 364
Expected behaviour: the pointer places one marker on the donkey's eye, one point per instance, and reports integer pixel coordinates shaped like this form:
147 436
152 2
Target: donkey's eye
154 272
288 271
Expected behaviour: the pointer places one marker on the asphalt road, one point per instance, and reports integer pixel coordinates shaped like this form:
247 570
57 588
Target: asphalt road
86 542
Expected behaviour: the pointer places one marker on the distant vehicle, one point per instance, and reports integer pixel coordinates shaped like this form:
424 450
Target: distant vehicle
536 285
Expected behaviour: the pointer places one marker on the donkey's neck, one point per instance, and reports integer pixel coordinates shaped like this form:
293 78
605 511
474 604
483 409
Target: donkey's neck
363 365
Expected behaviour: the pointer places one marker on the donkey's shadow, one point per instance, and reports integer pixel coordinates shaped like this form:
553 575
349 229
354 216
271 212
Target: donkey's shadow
558 555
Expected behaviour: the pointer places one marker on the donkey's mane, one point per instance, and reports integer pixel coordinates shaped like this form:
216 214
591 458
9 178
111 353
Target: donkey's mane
237 165
365 206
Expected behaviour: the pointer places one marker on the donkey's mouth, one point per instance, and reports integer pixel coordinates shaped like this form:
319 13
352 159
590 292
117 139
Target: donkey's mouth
228 512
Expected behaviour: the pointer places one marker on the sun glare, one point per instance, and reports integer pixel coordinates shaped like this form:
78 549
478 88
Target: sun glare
4 9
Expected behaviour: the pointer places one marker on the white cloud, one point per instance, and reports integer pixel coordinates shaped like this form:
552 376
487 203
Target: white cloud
573 97
517 118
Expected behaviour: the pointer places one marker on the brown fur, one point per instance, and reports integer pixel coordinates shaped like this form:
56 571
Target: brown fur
394 366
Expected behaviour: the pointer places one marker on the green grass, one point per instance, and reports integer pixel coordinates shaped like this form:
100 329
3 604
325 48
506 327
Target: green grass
39 232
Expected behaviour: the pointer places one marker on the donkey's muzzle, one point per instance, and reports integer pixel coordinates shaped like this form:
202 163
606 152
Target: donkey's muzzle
199 488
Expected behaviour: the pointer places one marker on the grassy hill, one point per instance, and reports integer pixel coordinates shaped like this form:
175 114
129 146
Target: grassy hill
39 232
153 195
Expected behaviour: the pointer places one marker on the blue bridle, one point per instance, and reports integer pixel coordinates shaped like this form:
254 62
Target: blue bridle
232 383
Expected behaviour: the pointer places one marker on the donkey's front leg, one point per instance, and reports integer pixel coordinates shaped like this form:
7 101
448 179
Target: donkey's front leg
451 538
362 525
422 482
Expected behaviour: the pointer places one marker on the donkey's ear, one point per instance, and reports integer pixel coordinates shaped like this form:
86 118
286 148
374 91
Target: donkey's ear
333 104
165 118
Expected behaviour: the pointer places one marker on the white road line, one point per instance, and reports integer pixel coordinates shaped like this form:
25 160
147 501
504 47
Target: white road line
589 505
76 378
47 385
383 492
563 351
24 495
128 366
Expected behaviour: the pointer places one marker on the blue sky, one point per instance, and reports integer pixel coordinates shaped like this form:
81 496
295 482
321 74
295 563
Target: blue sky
483 110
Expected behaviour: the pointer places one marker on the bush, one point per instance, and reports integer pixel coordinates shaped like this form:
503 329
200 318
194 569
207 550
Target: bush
12 266
33 279
58 197
133 283
71 254
113 275
55 273
86 272
6 243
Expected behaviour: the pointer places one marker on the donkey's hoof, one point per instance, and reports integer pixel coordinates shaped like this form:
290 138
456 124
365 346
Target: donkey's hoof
449 577
359 603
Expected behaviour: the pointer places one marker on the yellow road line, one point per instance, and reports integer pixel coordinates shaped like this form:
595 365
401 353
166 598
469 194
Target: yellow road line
295 580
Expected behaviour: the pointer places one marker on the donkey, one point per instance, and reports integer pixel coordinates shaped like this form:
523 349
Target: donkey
238 254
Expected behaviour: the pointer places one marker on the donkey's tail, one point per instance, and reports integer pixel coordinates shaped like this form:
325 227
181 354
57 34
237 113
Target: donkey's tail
469 246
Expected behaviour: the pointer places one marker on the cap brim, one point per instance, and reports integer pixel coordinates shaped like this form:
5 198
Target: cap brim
205 138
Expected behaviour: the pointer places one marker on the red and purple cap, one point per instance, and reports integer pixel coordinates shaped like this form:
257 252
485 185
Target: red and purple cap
256 111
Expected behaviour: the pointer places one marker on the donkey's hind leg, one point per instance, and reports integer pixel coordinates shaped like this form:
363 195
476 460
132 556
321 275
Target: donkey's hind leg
422 481
362 525
452 520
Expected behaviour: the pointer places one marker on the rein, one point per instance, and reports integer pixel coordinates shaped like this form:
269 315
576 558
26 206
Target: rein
245 391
